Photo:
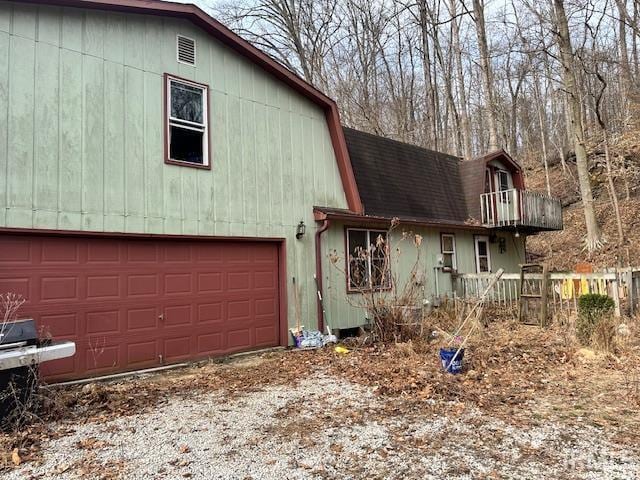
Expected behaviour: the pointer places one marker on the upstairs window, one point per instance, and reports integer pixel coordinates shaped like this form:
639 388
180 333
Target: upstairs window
187 123
448 249
503 180
503 185
367 260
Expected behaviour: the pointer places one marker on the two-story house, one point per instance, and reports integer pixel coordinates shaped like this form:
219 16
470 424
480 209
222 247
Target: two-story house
162 182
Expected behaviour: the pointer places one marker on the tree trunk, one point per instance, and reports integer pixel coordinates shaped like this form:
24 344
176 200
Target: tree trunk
594 236
487 78
624 54
543 130
467 150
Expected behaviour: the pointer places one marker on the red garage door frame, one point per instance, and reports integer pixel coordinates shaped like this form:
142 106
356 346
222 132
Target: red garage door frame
280 242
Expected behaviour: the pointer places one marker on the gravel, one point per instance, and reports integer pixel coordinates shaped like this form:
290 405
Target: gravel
324 427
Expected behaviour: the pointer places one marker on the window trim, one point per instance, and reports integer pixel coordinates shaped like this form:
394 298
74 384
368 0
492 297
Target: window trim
454 260
166 100
369 288
502 172
476 253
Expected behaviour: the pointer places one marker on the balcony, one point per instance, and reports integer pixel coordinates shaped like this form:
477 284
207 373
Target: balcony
520 210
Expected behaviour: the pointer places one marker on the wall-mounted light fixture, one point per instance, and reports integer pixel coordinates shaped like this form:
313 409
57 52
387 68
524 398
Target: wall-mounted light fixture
300 230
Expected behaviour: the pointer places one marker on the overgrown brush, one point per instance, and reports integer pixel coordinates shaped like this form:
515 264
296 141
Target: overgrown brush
393 304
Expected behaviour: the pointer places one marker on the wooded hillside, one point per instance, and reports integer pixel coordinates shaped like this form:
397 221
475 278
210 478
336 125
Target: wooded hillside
555 83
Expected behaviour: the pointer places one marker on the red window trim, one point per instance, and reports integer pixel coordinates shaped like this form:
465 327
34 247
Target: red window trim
167 159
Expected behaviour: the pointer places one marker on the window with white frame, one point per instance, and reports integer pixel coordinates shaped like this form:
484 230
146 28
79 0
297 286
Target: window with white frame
367 259
448 249
187 122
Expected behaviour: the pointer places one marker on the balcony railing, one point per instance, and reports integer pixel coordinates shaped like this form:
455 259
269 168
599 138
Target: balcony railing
520 208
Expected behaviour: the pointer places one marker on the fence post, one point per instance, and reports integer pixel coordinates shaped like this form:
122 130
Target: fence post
616 295
630 291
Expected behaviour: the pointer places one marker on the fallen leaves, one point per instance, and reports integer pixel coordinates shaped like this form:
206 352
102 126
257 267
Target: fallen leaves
15 457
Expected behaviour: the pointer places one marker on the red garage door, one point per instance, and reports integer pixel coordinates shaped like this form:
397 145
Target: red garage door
135 303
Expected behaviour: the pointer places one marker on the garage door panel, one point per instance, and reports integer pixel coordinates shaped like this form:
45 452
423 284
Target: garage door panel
142 353
130 303
101 358
209 255
177 348
17 285
16 252
63 325
142 252
239 338
142 319
104 322
101 287
239 281
63 368
56 289
210 313
210 343
177 254
210 282
266 335
265 279
177 283
58 251
142 285
103 252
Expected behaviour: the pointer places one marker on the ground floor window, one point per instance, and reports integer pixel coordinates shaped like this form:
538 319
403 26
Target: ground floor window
483 256
448 250
367 259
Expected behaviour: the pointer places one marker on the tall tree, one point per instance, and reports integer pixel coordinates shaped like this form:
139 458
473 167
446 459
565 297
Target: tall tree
487 76
567 60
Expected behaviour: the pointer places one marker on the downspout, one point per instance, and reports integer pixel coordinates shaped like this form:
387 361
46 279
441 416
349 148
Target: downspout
325 226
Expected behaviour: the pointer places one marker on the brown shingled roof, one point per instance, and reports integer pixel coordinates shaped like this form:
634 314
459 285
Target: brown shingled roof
397 179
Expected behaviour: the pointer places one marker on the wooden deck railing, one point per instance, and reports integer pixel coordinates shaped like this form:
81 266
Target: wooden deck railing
520 208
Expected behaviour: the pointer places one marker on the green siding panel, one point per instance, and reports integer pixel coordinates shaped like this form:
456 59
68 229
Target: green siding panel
345 309
87 136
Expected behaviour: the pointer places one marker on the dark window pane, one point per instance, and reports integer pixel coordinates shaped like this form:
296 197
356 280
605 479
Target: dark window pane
484 264
379 273
378 241
447 243
482 248
186 145
357 243
504 180
358 273
186 102
447 260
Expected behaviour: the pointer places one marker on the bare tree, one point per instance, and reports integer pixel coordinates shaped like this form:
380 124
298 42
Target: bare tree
486 70
567 59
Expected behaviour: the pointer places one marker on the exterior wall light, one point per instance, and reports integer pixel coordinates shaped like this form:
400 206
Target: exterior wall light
300 230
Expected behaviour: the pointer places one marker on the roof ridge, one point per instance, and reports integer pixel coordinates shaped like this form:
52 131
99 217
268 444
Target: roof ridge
399 142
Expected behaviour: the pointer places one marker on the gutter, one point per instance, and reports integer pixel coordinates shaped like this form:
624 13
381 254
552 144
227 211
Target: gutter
325 226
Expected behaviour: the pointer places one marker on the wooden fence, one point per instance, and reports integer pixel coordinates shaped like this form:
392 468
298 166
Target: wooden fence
564 288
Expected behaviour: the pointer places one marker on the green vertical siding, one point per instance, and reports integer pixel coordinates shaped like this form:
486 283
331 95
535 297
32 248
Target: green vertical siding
82 140
344 310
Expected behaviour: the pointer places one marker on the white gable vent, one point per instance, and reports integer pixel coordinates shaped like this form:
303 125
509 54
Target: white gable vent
186 50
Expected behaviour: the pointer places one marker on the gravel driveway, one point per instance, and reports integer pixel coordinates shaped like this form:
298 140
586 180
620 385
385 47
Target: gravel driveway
324 427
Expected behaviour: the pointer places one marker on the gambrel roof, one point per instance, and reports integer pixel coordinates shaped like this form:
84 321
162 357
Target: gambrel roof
221 33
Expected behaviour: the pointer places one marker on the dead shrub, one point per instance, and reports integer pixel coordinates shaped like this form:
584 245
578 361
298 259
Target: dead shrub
393 304
604 335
